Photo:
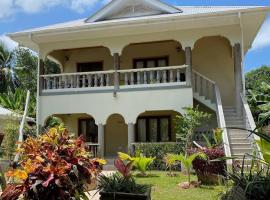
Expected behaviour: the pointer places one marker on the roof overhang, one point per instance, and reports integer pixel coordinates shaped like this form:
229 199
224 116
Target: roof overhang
150 24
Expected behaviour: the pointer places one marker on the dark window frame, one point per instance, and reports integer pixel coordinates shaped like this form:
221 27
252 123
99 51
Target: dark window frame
146 59
147 118
99 64
80 130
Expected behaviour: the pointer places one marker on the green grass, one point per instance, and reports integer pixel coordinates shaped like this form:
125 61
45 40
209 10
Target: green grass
165 188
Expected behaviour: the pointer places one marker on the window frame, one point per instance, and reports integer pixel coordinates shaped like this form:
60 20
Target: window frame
80 128
147 119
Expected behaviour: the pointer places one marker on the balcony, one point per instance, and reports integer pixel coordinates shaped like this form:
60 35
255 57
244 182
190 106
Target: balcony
114 80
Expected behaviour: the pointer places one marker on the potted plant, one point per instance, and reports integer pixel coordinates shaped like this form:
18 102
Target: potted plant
122 185
52 166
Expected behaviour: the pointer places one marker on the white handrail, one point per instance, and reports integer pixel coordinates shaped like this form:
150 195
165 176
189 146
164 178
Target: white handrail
251 121
222 124
78 73
153 69
198 73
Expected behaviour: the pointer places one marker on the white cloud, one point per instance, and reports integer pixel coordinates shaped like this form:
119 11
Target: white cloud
8 42
11 7
80 5
6 8
263 37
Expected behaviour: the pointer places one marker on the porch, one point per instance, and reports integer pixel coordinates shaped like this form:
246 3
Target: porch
117 135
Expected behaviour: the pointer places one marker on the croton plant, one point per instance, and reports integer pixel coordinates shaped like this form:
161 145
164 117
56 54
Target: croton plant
52 166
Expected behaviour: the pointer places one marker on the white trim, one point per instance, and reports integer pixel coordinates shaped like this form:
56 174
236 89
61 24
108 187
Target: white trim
112 7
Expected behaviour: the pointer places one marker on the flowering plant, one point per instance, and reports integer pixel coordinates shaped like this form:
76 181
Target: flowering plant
52 166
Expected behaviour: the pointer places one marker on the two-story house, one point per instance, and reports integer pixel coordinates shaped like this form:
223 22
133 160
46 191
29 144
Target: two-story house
130 68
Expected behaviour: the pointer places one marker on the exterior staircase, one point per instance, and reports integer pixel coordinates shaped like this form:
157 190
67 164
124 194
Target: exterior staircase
240 142
237 142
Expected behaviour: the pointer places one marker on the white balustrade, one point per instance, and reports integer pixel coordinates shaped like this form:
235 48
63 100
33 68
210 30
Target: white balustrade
102 79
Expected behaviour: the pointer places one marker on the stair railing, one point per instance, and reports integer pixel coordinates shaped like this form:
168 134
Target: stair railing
251 124
209 89
203 86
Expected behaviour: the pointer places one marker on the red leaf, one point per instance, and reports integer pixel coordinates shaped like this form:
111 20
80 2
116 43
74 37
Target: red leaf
47 182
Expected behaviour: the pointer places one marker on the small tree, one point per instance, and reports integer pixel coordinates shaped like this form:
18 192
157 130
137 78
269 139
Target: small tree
187 123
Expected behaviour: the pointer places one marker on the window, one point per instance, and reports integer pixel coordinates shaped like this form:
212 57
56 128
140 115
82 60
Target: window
151 62
89 130
89 67
154 129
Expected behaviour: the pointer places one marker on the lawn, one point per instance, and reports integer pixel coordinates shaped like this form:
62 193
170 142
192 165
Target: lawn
165 188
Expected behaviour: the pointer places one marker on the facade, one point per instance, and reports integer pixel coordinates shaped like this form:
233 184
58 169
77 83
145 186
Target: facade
129 69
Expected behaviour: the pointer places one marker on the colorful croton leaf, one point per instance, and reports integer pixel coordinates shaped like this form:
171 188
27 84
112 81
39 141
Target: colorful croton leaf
52 166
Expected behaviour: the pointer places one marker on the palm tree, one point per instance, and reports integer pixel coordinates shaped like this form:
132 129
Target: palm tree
7 77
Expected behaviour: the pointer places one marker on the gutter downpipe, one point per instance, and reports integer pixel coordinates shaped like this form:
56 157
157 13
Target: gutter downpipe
38 72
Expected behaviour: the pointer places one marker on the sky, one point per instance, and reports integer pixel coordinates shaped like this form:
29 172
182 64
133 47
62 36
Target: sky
18 15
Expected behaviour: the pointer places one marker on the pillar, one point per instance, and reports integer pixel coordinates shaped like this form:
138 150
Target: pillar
131 136
237 54
188 57
101 139
41 72
116 59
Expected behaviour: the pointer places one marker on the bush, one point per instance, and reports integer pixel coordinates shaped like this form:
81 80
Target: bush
208 167
52 166
158 151
11 135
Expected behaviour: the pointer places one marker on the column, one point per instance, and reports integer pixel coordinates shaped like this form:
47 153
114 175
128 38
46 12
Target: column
188 57
237 54
116 59
131 136
101 139
41 72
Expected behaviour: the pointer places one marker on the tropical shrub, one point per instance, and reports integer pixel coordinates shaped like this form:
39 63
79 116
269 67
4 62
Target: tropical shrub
211 166
121 181
158 151
52 166
187 160
186 124
140 162
11 131
170 161
216 140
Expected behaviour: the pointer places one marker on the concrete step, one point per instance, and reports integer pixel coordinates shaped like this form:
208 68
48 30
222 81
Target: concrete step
239 140
241 151
240 145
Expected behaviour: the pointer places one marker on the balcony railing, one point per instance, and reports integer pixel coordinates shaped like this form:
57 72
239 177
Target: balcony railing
115 78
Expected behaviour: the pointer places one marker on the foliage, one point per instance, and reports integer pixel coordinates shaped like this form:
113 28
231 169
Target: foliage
170 161
158 151
122 180
124 168
217 138
186 124
255 77
140 162
187 160
117 183
259 101
25 68
52 166
15 101
265 149
52 122
212 165
7 77
51 67
11 131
